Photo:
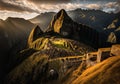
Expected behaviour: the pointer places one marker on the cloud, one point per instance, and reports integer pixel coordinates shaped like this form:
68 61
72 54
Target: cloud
49 1
38 6
26 15
93 6
113 6
55 8
5 5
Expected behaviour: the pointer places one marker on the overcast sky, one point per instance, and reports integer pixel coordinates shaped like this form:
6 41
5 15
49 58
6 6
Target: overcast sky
30 8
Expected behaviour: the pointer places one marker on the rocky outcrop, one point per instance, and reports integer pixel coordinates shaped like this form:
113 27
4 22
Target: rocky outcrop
114 31
61 24
35 33
112 38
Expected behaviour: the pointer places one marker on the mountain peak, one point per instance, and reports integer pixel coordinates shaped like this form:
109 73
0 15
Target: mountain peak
60 22
63 10
35 33
62 13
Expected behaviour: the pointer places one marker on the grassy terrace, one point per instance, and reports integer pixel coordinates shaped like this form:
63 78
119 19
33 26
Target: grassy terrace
42 43
68 57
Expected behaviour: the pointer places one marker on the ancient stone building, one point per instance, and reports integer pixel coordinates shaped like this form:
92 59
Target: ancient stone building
103 53
91 59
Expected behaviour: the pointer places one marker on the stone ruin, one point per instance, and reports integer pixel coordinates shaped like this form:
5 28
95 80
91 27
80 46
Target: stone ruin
103 53
91 59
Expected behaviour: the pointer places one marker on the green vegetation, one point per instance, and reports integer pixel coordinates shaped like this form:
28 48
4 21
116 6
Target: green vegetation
64 44
39 43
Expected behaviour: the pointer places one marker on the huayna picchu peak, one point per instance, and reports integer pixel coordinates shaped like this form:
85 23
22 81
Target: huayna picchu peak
60 21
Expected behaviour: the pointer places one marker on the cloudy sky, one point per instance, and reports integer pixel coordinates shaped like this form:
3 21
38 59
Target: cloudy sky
30 8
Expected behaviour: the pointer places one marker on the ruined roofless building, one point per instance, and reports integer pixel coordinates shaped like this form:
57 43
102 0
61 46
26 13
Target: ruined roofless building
103 53
91 59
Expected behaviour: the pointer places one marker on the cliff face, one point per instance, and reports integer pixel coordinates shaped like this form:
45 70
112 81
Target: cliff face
61 23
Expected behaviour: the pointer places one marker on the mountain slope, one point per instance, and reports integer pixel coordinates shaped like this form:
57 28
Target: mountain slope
34 68
13 29
106 72
13 37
